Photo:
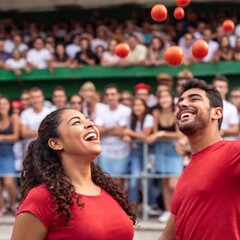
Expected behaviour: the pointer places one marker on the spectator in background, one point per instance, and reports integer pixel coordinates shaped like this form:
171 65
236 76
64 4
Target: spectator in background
212 45
168 161
3 55
31 118
126 98
59 97
155 52
224 51
111 120
132 30
86 55
18 44
109 58
186 47
236 50
76 102
9 133
165 78
50 44
17 63
60 57
74 47
137 54
140 127
99 52
234 98
25 99
230 123
90 103
182 77
39 57
101 38
143 91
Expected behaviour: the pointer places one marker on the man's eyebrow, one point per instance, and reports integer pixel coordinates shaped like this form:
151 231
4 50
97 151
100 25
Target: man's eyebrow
188 96
74 118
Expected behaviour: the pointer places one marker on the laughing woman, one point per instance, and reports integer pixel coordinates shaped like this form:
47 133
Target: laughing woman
64 195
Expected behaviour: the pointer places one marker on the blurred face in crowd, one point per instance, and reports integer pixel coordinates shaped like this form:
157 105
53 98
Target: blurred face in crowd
224 42
36 99
132 42
126 99
76 102
112 97
84 44
25 100
139 108
156 44
235 98
162 87
60 49
112 45
88 94
207 34
143 94
76 40
165 99
188 40
16 54
38 44
4 106
17 39
59 98
222 87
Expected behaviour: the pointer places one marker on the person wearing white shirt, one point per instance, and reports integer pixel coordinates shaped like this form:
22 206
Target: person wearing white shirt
230 123
73 48
31 118
140 127
212 45
111 120
39 57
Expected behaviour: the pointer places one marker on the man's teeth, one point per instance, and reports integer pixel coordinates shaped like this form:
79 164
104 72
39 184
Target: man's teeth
185 115
90 136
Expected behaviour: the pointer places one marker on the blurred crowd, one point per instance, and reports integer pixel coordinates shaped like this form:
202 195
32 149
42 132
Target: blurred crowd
75 43
126 121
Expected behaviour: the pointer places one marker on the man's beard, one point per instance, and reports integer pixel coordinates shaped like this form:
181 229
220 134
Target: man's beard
193 127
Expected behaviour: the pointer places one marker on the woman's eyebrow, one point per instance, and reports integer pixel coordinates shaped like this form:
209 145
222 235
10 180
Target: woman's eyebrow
74 118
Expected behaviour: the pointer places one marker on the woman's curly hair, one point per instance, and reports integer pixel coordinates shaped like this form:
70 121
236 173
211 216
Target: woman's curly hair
42 165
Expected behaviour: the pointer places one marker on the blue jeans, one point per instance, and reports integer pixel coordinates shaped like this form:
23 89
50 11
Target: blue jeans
136 167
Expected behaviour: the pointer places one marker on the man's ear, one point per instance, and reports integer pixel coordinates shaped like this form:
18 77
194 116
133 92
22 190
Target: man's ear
218 113
55 144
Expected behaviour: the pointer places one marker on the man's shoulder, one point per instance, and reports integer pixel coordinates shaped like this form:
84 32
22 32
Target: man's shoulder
124 108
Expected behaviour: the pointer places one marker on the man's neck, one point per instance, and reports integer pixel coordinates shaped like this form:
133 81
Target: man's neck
203 139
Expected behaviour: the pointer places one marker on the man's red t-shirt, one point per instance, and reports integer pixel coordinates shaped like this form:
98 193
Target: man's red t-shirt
206 201
101 218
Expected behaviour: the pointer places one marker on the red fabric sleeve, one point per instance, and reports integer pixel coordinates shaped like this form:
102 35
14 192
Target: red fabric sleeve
39 202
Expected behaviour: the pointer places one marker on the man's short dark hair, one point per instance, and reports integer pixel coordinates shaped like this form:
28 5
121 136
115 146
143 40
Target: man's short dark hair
59 88
111 85
212 93
220 78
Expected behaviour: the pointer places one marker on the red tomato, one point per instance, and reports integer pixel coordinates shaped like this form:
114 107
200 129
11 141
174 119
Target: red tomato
183 3
179 13
173 56
159 13
200 49
122 50
228 25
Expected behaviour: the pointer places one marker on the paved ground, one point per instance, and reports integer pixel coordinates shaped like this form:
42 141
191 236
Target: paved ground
149 230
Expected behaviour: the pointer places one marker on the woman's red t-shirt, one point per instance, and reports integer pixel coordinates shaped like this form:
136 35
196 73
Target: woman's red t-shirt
101 218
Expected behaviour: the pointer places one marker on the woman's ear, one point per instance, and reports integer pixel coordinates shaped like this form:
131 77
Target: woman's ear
55 144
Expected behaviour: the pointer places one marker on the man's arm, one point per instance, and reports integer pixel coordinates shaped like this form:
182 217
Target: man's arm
26 133
117 131
169 231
